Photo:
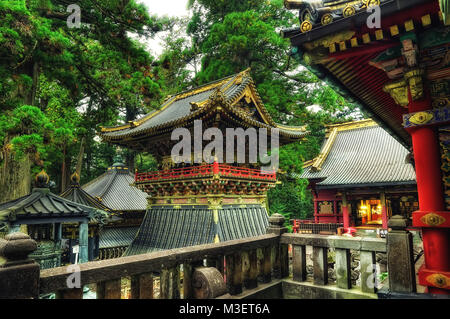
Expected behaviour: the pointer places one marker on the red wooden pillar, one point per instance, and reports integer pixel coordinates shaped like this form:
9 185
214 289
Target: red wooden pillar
316 211
335 211
345 213
435 274
384 217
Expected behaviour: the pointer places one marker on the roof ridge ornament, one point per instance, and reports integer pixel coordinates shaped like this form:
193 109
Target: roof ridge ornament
42 180
218 97
75 178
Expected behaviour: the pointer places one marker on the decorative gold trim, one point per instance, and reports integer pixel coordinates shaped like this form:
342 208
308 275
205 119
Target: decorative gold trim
332 48
354 42
426 20
379 35
327 18
366 38
306 26
409 25
308 163
438 280
348 11
415 82
394 30
290 128
421 118
432 219
398 91
351 125
318 162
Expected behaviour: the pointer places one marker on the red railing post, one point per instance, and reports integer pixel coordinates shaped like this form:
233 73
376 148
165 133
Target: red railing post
216 170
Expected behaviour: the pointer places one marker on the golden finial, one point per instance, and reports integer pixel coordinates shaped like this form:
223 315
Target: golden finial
75 178
42 179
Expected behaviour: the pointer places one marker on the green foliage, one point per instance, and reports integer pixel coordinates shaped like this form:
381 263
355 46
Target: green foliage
234 35
30 128
291 199
60 84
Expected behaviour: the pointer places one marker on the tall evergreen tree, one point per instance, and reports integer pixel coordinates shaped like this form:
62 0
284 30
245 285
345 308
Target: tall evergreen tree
96 67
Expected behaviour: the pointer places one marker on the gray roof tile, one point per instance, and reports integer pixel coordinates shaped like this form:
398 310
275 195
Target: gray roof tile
168 228
117 236
115 190
177 107
41 203
364 156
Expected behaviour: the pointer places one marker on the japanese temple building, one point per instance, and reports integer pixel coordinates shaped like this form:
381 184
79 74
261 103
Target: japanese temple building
397 69
362 165
125 204
42 216
201 202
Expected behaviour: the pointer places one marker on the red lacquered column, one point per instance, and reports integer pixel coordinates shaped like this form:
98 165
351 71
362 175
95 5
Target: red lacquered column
335 212
345 213
316 211
436 241
384 217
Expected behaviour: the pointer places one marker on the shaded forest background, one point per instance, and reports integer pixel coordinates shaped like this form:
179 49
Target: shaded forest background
58 85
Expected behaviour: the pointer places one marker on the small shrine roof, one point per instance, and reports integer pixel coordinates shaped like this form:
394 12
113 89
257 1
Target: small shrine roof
359 154
190 105
113 189
76 194
42 204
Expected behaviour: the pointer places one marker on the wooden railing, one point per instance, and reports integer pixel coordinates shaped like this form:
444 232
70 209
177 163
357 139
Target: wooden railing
107 274
111 252
367 247
311 228
205 170
212 270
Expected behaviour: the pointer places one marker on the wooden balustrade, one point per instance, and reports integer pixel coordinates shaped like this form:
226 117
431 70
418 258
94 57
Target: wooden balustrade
342 245
240 267
312 228
204 170
234 266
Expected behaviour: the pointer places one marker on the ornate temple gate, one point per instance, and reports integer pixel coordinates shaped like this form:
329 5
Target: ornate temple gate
399 71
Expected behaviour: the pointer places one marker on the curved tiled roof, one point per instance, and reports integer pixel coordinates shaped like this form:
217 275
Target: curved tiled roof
114 190
41 203
76 194
178 109
361 156
169 228
111 237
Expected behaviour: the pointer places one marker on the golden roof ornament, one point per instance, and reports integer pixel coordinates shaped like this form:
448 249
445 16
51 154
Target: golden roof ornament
75 178
42 180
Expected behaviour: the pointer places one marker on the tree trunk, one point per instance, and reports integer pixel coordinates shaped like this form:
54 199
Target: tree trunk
63 171
130 115
15 177
80 157
15 174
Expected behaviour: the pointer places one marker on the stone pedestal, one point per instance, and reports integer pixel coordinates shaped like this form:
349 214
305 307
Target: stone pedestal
400 257
19 275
